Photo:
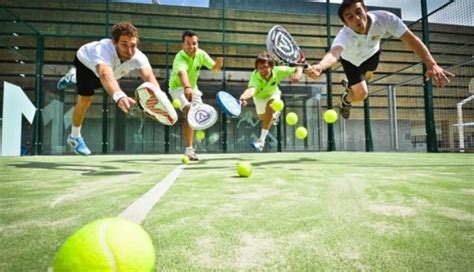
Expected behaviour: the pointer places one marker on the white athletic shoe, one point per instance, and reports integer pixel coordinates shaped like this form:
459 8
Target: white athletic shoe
276 117
68 80
191 154
258 145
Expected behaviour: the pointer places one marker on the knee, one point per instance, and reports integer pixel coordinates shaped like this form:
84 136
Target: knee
84 101
359 94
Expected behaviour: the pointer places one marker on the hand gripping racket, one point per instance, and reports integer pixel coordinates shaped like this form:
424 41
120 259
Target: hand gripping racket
284 48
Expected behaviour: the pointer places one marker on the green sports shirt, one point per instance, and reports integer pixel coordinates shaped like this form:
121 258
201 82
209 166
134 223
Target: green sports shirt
192 66
266 88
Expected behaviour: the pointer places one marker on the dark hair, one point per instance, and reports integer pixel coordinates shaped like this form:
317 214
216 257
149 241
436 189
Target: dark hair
120 29
265 57
345 4
188 33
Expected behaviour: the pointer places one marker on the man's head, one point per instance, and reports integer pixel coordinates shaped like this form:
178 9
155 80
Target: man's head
190 42
264 65
125 39
353 14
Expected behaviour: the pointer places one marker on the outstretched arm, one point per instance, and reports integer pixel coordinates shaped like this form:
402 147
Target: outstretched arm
218 65
433 71
246 95
147 75
111 86
331 57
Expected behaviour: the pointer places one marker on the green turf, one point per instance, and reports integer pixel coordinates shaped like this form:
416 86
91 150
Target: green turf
298 211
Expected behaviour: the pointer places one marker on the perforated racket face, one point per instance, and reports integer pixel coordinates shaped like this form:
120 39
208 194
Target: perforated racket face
281 44
155 104
228 103
201 116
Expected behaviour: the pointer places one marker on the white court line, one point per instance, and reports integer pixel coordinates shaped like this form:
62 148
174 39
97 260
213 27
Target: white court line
139 209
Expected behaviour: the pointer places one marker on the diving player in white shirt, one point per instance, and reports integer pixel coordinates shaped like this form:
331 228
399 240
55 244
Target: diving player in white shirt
357 45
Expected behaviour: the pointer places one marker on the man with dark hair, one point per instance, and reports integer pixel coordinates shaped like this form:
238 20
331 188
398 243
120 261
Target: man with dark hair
183 81
263 88
357 45
100 64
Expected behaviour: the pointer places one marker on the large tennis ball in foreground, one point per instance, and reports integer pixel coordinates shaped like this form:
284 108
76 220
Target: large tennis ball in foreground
277 105
291 118
330 116
301 133
244 169
111 244
200 135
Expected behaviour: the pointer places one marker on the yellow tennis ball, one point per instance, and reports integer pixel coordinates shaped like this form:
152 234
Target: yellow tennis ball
244 169
184 159
291 118
200 135
301 133
111 244
278 105
176 103
330 116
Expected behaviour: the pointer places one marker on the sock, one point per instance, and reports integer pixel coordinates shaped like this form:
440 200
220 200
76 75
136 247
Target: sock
263 134
75 132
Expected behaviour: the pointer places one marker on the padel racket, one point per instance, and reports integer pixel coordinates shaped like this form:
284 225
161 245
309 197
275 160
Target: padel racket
228 104
284 48
155 104
201 116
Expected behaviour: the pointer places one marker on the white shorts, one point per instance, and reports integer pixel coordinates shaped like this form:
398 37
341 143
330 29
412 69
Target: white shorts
261 104
179 94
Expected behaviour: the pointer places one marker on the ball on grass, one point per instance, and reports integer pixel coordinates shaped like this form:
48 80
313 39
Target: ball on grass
111 244
184 159
301 133
291 118
330 116
244 169
176 103
277 105
200 135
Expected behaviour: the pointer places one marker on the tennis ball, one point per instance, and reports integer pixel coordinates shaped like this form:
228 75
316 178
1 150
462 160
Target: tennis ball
184 159
111 244
176 103
291 118
244 169
200 135
301 133
278 105
330 116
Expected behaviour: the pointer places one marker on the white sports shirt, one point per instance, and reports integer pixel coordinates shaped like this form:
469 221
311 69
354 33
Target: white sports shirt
357 48
104 52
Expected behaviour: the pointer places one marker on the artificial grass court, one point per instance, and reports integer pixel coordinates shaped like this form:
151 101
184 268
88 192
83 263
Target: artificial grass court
297 211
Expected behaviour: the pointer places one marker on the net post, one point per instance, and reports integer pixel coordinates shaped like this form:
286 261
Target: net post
392 117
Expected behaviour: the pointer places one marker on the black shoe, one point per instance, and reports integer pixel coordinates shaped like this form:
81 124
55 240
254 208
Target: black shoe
344 109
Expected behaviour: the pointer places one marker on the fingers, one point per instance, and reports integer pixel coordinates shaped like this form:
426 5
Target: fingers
126 103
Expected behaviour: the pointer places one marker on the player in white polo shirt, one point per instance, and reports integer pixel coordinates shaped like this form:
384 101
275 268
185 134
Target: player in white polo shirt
100 64
357 45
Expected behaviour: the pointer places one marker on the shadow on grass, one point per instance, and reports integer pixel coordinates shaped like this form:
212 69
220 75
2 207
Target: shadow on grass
87 170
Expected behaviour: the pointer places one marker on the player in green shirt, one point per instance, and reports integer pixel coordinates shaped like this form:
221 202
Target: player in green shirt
263 87
183 82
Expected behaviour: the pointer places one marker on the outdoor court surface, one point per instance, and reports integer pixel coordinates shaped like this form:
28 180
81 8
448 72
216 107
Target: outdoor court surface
297 211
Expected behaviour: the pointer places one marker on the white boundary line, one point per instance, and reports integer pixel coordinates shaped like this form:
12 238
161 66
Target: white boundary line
139 209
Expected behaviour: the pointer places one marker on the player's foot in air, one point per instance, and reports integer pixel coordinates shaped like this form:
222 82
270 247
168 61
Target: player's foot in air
276 117
68 80
191 154
258 145
78 145
344 106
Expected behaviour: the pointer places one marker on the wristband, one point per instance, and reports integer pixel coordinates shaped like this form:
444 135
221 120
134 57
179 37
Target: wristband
186 87
118 95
